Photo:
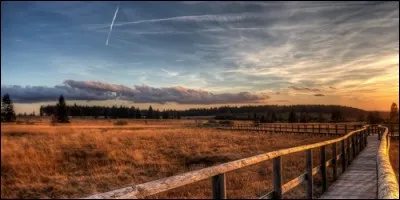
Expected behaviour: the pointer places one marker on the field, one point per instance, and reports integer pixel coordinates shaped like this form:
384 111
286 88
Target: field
394 156
75 160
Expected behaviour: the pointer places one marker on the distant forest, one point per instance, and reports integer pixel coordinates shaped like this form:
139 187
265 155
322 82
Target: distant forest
262 113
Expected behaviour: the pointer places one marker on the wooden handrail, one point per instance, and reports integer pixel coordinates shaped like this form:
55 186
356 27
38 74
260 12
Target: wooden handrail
388 187
161 185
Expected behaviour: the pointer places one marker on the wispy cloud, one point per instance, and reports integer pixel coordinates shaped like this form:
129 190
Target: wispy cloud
304 89
319 95
170 73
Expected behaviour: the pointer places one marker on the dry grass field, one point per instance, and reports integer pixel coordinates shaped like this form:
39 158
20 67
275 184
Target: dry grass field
90 156
394 156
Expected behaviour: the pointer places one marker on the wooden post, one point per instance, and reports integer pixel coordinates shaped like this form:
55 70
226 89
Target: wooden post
345 129
319 128
327 128
379 134
298 128
349 150
313 128
309 165
334 165
323 168
305 128
357 143
280 128
365 138
218 186
353 144
343 156
336 129
292 128
277 168
391 129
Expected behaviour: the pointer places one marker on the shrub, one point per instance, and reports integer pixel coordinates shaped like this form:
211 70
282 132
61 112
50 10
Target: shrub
227 122
211 121
120 122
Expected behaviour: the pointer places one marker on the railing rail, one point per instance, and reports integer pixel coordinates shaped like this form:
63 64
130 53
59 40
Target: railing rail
356 141
388 187
301 128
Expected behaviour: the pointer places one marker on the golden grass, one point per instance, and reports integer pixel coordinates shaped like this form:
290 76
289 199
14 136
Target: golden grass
394 156
91 156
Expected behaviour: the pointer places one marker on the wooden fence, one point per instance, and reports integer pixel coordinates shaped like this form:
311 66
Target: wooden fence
350 145
298 128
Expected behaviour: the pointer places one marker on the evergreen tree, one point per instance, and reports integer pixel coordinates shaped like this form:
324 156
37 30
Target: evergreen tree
292 117
393 111
374 118
7 109
41 111
61 110
165 114
321 118
138 115
304 118
273 117
157 114
336 115
150 113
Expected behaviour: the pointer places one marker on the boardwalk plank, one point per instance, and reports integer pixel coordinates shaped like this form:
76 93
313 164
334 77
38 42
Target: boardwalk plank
359 180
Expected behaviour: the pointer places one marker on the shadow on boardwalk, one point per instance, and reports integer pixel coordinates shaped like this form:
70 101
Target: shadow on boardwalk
359 180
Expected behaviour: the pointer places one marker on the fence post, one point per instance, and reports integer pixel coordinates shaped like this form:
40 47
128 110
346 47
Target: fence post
323 168
334 165
336 129
349 150
277 168
309 165
319 128
298 128
365 138
327 128
379 134
345 129
343 156
280 128
353 146
313 128
292 129
218 186
358 142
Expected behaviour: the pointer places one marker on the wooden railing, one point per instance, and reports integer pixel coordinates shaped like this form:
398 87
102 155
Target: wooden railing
356 140
388 187
300 128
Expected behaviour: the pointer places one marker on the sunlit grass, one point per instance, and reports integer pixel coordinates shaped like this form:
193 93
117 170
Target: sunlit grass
87 157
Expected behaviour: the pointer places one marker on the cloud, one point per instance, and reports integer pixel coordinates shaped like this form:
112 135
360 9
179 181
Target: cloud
170 73
112 23
93 90
306 89
319 95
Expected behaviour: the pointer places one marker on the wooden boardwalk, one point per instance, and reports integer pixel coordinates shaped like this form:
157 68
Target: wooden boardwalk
359 181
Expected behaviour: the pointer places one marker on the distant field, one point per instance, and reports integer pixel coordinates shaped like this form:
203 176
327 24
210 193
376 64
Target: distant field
394 156
91 156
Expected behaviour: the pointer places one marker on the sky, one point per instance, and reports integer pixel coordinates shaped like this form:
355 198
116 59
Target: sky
200 54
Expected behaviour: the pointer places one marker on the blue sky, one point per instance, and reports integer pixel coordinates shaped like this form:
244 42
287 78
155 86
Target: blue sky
202 53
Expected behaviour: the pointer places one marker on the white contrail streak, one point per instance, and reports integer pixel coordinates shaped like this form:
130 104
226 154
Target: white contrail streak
112 23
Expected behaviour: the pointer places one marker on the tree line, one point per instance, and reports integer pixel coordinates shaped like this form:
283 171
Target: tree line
260 113
112 112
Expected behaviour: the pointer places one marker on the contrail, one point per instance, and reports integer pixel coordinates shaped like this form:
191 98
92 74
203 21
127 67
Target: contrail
112 23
